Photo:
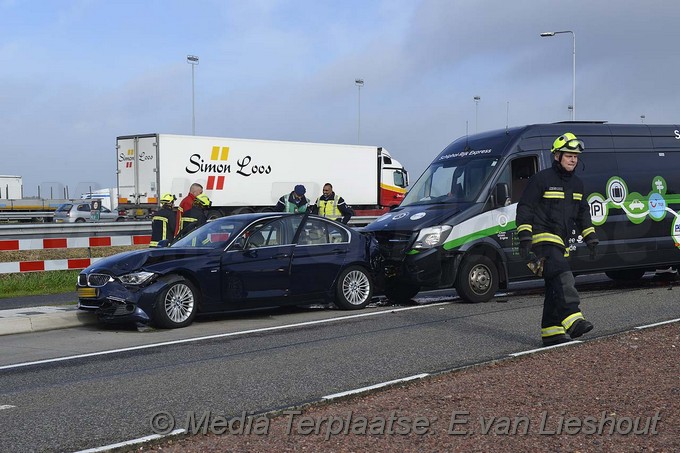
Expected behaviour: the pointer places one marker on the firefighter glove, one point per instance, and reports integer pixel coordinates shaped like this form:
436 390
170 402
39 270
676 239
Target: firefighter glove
592 246
524 249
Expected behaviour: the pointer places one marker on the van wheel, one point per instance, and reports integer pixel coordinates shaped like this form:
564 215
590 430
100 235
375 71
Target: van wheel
400 292
626 274
477 279
354 289
176 305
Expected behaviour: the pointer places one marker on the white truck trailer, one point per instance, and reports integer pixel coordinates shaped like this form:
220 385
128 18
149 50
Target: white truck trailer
244 175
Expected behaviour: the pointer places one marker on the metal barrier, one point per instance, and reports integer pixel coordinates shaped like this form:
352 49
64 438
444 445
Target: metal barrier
69 236
37 216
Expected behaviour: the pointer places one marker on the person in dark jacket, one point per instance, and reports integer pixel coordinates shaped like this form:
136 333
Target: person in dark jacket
164 222
330 205
196 216
294 201
551 206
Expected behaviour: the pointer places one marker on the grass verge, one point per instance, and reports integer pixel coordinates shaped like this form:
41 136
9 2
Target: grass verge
36 283
49 282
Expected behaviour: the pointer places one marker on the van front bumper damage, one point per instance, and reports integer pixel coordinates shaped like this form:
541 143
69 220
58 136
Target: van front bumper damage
420 269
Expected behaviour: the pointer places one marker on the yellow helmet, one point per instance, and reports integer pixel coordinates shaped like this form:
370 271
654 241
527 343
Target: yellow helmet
568 143
203 200
168 198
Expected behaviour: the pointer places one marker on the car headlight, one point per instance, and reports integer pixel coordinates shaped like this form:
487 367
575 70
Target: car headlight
136 278
432 237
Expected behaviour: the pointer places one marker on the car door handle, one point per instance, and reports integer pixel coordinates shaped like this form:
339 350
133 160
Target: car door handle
339 251
280 255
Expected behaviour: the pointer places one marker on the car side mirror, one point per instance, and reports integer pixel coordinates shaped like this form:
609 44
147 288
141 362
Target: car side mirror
163 243
501 194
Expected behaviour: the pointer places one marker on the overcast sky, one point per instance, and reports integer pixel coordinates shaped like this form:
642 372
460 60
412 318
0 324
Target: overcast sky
75 74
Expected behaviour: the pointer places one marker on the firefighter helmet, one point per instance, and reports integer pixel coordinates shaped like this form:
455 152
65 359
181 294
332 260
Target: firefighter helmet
168 198
203 200
568 143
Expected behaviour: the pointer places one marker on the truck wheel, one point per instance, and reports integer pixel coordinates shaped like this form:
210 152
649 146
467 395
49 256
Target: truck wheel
354 289
401 293
243 210
625 274
176 305
477 279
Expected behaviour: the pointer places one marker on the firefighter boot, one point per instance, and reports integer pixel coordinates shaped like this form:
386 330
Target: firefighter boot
556 339
580 327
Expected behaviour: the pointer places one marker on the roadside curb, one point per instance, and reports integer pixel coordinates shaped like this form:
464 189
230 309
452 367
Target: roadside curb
36 319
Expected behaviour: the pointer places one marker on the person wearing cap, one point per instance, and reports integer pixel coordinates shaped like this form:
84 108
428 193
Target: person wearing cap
196 216
552 205
164 222
294 201
332 206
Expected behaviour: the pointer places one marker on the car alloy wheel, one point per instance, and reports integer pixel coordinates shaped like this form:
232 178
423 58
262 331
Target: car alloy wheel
355 288
176 305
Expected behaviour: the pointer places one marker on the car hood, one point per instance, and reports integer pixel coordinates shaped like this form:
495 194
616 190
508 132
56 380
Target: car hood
127 262
416 217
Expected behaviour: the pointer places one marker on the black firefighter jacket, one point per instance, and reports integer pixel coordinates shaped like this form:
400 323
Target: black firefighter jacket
551 206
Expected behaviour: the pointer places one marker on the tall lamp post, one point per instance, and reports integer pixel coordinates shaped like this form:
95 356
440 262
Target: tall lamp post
477 99
573 67
193 61
359 83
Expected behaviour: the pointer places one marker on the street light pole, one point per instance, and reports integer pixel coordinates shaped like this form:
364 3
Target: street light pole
193 61
477 99
359 83
573 67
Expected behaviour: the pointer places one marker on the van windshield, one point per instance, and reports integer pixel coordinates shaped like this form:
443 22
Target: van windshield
455 181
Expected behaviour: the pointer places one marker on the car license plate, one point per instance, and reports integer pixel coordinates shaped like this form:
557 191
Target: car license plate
87 293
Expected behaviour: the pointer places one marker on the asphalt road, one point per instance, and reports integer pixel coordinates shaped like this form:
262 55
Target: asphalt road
230 365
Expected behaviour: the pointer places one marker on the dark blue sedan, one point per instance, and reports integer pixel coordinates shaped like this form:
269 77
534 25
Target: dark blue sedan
233 263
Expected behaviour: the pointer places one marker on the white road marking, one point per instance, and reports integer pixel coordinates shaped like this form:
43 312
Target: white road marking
544 348
658 324
139 440
6 406
212 337
373 387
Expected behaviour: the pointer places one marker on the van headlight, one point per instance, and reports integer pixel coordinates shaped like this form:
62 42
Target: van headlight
432 237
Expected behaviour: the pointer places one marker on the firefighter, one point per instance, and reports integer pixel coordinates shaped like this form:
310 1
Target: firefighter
550 207
294 201
164 222
330 205
196 216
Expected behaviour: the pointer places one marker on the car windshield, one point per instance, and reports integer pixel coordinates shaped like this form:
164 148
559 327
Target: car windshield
453 181
66 207
213 234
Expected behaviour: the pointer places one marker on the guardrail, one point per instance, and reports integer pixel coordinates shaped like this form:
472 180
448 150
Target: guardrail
69 236
20 237
39 216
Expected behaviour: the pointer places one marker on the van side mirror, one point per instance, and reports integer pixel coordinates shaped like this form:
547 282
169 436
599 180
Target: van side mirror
501 194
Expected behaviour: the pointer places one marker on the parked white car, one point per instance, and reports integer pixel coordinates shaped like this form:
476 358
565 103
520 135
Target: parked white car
82 212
